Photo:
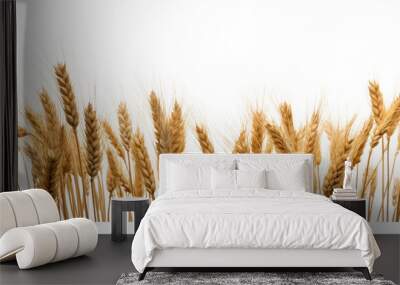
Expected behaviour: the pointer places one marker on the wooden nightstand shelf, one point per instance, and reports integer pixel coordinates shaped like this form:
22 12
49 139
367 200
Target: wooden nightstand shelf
358 206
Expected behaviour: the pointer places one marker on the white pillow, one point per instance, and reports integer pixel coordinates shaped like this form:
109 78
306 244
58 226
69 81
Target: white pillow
251 179
223 179
183 177
293 178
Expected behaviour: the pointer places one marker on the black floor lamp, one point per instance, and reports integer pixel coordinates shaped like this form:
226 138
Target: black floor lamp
8 97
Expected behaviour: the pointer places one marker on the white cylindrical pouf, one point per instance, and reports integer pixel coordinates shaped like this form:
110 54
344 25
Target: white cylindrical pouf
45 205
7 218
67 239
87 235
34 246
23 208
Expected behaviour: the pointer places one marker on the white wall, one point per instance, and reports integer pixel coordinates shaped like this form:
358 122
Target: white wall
218 56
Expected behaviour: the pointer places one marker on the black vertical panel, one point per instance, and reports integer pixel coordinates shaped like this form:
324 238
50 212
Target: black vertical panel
8 97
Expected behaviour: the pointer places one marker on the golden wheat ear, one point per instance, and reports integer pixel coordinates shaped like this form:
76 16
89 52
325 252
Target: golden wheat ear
394 112
289 131
177 129
160 123
138 185
277 138
67 95
143 159
112 137
203 139
50 112
37 125
114 166
359 142
377 104
93 141
390 120
257 131
241 143
35 153
125 125
311 136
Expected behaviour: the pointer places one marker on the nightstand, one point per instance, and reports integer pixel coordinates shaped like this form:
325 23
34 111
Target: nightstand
358 206
118 218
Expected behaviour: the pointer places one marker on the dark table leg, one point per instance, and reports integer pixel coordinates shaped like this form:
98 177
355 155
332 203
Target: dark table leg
118 222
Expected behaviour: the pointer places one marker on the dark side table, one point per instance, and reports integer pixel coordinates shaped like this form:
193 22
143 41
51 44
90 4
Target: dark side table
358 206
118 218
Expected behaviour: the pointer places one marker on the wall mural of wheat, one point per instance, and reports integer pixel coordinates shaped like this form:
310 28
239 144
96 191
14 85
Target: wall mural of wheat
71 167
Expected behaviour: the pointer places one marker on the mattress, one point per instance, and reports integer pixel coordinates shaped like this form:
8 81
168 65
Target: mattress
250 219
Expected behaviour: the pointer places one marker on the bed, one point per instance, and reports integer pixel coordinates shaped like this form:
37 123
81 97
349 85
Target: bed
245 211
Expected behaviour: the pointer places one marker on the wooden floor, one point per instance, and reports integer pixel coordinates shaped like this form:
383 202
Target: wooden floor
110 260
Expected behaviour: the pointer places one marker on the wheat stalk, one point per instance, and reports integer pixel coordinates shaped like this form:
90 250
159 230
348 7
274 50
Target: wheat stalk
311 144
117 172
301 134
125 125
241 144
158 116
93 141
203 139
67 167
312 131
71 116
74 164
112 137
52 171
93 151
269 146
257 131
51 115
102 203
67 95
125 129
393 117
81 161
288 128
37 124
177 129
390 120
359 143
160 123
37 162
277 138
371 194
143 159
59 172
377 104
138 184
317 150
71 193
396 201
111 186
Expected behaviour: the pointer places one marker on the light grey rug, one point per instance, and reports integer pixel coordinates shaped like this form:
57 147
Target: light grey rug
229 278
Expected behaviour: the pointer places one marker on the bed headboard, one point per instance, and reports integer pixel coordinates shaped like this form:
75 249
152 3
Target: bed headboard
197 158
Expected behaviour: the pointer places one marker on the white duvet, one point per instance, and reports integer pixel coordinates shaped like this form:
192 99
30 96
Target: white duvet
250 219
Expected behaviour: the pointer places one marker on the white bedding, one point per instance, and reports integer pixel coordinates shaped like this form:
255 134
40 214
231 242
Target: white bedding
251 218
